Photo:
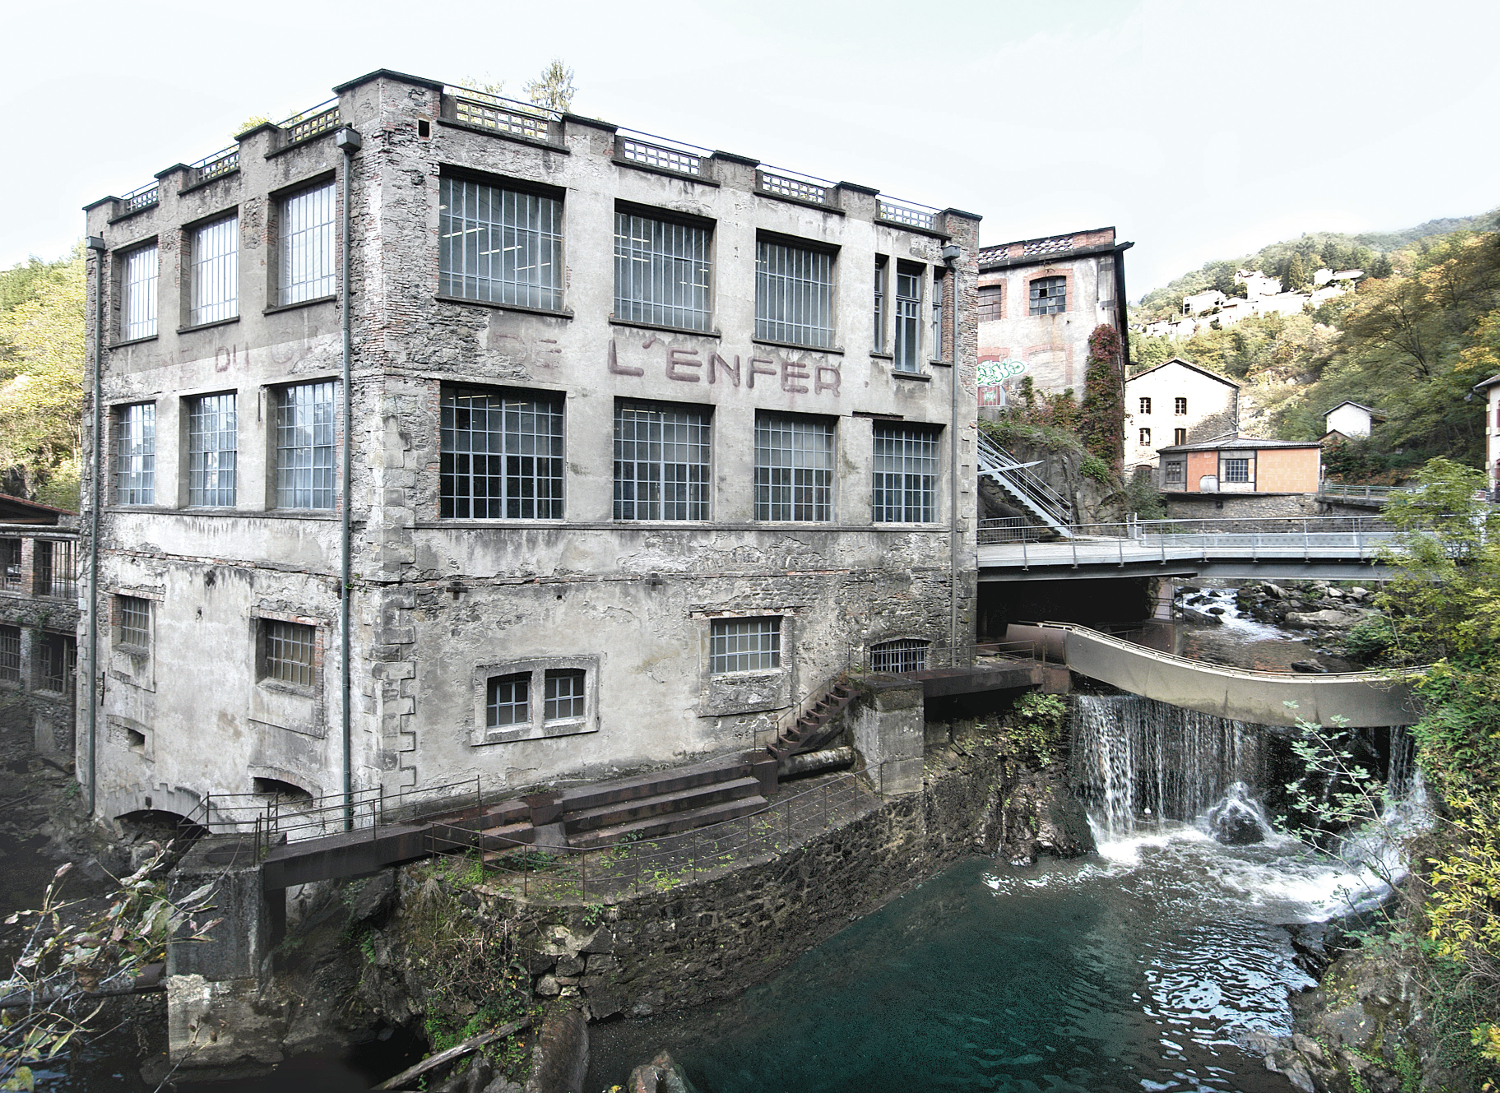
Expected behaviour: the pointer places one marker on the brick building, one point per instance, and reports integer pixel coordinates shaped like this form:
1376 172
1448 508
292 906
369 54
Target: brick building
625 447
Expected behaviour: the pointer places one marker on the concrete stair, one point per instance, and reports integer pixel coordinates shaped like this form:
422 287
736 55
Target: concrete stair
816 726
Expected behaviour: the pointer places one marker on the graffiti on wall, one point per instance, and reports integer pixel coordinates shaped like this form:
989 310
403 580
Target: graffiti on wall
993 379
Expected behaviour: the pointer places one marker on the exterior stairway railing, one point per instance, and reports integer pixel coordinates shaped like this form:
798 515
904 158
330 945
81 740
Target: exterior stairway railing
1029 489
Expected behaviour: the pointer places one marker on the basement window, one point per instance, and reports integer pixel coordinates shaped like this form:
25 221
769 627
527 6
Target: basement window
900 656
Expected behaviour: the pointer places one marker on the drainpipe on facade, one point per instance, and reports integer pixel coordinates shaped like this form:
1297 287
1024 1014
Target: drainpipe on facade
348 140
95 244
951 252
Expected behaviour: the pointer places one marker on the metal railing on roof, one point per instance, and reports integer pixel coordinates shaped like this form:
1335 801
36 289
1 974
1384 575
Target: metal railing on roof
783 183
309 123
906 212
141 198
220 163
660 152
523 119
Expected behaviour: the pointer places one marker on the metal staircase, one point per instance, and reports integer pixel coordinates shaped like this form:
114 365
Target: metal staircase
1028 489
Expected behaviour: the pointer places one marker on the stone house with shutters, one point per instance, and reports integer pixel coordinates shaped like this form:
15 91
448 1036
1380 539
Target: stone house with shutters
606 453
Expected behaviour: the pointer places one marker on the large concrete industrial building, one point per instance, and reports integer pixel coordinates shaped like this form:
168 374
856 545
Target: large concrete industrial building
618 448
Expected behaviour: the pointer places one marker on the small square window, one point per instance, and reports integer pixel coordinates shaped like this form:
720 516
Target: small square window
288 652
744 645
1145 405
134 616
1173 473
508 701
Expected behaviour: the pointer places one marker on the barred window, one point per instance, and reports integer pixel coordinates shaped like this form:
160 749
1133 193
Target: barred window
1237 470
744 645
10 565
135 454
1049 295
793 468
564 699
10 654
793 294
880 276
138 281
991 303
305 270
288 652
306 434
901 655
662 462
1145 405
661 272
508 701
908 307
211 450
56 656
215 277
134 615
905 474
502 455
501 246
1179 405
55 567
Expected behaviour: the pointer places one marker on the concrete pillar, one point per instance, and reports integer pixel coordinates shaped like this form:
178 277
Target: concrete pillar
888 733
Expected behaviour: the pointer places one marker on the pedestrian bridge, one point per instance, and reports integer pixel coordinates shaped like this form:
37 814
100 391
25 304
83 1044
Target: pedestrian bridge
1330 547
1356 699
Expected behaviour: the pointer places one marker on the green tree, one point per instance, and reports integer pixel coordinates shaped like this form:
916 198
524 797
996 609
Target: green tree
1294 274
553 88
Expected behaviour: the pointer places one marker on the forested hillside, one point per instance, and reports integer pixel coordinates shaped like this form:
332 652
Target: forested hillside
1409 342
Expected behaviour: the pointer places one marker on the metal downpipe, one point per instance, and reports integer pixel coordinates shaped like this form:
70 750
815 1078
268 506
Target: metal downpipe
348 140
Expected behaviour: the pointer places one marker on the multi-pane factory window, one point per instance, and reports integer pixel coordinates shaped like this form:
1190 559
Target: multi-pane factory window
744 645
908 311
211 451
661 272
215 279
138 279
793 294
905 474
501 246
662 462
1172 474
1237 470
11 577
901 655
307 245
991 303
502 455
793 468
1049 295
288 652
880 278
10 654
134 616
135 454
565 696
507 701
56 655
306 434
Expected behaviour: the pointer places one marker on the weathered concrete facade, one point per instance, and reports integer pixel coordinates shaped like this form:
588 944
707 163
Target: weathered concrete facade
620 614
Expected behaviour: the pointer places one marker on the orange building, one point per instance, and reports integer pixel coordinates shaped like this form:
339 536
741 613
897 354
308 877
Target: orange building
1242 464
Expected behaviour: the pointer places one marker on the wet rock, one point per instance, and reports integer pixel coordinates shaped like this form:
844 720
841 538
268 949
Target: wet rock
1307 667
1234 824
476 1079
375 899
660 1075
1328 618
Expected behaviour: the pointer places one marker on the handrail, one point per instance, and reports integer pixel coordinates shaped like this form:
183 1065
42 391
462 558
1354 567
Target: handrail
790 717
1343 489
998 462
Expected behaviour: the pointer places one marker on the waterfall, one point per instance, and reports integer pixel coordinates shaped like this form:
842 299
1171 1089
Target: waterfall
1135 760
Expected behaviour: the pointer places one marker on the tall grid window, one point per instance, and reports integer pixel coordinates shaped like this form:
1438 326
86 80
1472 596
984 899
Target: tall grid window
1237 470
211 450
1179 405
215 278
1049 295
502 456
135 454
54 568
793 294
793 468
56 655
905 474
501 246
939 286
901 655
11 576
306 433
305 268
10 654
288 652
508 701
138 280
661 272
662 462
908 313
744 645
880 278
991 303
564 699
1145 438
1145 405
134 615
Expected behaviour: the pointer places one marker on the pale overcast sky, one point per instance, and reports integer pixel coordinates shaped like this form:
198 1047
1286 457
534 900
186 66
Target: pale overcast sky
1200 130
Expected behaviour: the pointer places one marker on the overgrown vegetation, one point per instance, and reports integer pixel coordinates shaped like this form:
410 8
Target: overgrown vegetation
1101 418
1035 725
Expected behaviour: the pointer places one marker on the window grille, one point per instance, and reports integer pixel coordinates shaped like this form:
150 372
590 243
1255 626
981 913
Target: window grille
215 272
905 474
1179 405
502 456
307 246
10 654
744 645
1049 295
138 294
310 123
501 246
1179 436
939 284
135 621
991 303
54 568
1145 438
10 565
899 656
55 660
905 214
793 295
908 308
1145 405
663 159
507 701
306 434
564 699
1237 470
143 198
785 186
135 455
491 115
211 451
289 652
661 272
662 463
880 275
793 468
